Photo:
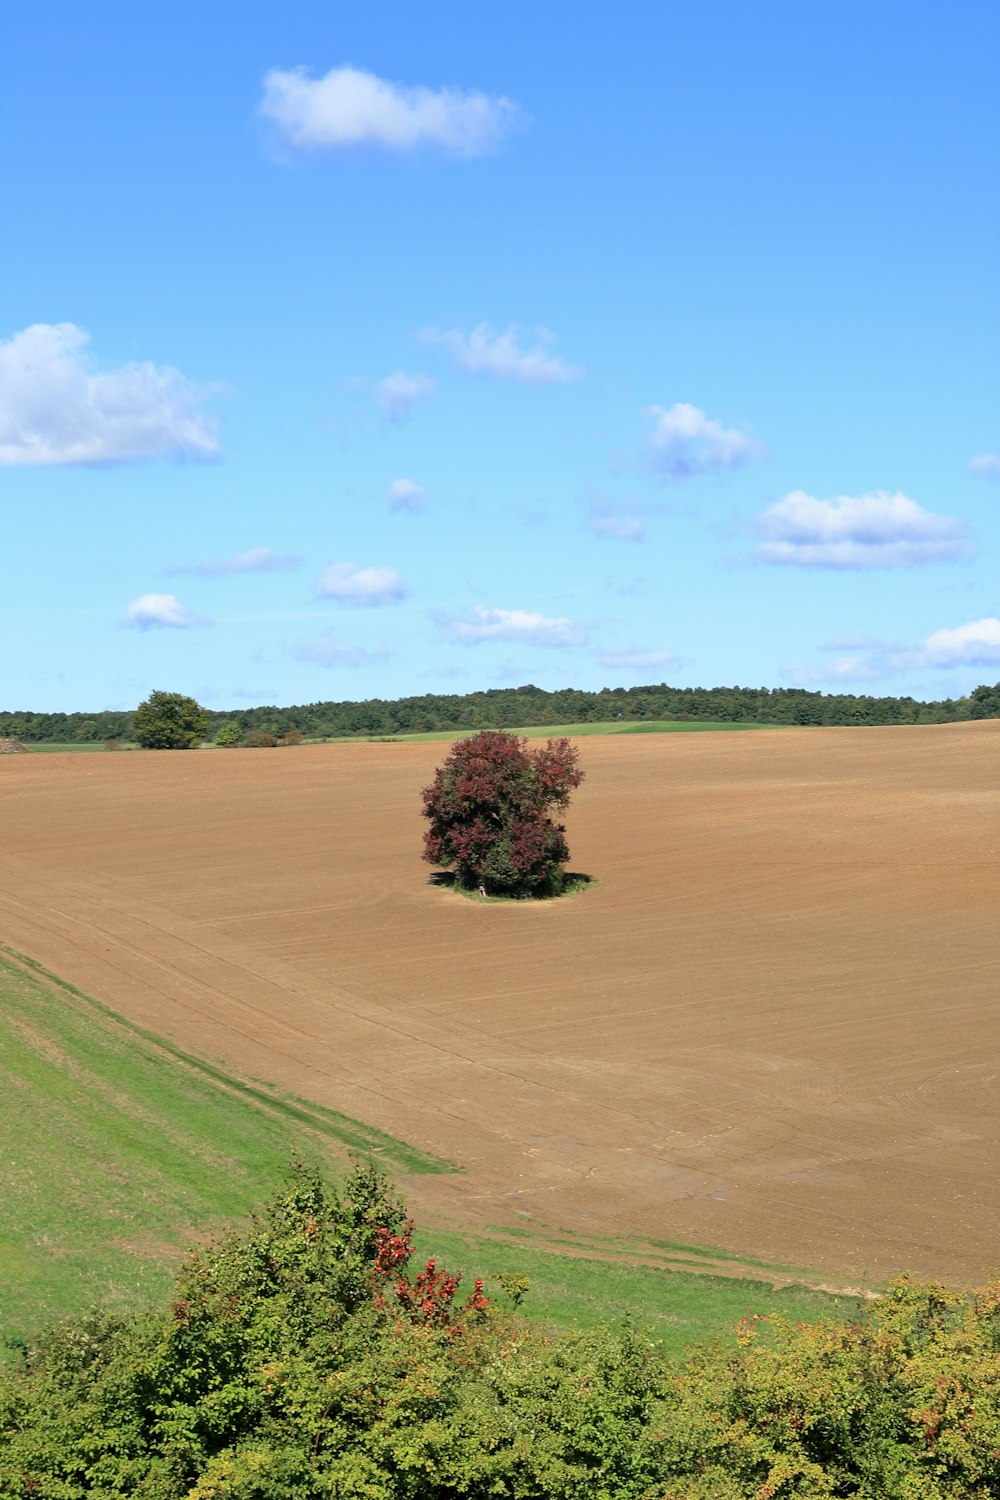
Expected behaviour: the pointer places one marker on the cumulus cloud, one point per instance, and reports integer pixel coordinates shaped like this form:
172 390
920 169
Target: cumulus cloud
399 393
350 585
637 657
349 107
523 626
972 645
56 408
683 442
406 494
503 356
255 560
325 650
624 525
985 466
159 612
865 531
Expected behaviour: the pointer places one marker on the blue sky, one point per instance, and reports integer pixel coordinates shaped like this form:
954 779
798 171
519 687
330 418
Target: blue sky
367 351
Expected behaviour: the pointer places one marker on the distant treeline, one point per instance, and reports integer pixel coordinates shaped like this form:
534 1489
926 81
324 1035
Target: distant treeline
505 708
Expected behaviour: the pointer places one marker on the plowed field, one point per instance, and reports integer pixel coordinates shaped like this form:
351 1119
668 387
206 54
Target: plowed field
773 1026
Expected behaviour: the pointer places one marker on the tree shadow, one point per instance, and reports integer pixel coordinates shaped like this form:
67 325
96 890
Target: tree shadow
573 881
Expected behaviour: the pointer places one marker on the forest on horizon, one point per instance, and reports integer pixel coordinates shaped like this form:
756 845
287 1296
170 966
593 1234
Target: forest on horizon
521 707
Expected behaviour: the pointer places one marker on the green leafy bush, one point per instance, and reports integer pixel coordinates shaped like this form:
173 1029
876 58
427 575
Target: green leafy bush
170 721
304 1359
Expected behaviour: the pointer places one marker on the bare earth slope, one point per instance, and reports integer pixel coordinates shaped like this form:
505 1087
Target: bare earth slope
773 1027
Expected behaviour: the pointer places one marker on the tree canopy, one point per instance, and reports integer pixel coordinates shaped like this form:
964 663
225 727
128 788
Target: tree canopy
489 806
170 721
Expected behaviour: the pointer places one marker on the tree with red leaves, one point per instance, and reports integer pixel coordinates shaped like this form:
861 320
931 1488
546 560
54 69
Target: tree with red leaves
488 808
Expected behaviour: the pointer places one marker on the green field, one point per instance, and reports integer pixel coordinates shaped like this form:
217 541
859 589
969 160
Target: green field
120 1151
47 746
545 731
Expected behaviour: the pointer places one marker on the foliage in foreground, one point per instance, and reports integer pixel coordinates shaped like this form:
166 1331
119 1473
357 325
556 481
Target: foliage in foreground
305 1360
488 808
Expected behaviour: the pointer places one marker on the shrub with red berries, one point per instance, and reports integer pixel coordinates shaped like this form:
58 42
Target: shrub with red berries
489 807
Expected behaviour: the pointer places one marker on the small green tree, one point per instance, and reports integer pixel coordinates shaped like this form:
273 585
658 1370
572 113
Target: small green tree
169 721
228 733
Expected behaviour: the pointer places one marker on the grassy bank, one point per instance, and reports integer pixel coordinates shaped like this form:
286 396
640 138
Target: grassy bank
120 1151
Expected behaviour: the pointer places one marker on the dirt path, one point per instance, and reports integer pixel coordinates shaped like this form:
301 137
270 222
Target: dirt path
773 1027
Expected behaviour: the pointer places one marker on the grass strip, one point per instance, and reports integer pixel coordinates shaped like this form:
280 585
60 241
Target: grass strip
570 1291
340 1128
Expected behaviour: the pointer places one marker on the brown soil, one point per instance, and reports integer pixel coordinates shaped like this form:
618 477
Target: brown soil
773 1026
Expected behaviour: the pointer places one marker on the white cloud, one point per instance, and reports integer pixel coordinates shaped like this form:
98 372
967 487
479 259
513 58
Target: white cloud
255 560
637 656
351 585
399 393
523 626
159 612
406 494
325 650
502 357
684 442
874 665
55 408
349 107
985 466
974 644
865 531
623 525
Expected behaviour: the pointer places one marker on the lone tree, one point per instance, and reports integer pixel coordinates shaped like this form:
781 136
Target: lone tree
169 721
488 808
